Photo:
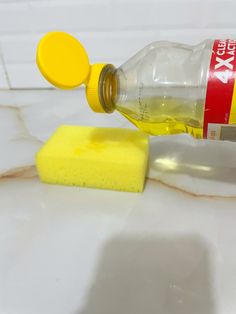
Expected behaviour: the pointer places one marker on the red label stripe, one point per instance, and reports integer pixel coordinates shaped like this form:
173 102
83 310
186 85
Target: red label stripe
220 83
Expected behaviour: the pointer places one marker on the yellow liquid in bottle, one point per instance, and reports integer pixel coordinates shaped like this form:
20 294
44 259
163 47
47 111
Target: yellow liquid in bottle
158 116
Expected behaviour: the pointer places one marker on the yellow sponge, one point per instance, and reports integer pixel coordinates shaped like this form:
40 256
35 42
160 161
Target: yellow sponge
108 158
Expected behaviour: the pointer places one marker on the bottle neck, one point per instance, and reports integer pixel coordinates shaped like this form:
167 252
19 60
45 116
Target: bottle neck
108 88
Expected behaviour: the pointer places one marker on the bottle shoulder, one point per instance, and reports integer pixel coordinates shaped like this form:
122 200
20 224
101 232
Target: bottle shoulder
170 53
165 45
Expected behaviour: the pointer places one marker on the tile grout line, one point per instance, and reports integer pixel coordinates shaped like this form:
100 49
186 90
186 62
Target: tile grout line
4 68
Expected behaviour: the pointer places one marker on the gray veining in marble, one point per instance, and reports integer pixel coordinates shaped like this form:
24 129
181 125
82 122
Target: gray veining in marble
28 118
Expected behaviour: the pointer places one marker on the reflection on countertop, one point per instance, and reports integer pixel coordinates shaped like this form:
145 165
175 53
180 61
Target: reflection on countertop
29 117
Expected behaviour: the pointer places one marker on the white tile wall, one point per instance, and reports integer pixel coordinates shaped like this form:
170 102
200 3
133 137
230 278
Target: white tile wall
111 30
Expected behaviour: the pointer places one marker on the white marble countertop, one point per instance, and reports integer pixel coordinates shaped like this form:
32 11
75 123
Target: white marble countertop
74 250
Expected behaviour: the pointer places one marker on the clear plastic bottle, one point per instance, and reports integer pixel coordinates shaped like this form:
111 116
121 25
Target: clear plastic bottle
162 89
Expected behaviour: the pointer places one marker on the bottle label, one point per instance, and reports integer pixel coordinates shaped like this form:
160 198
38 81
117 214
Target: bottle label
220 104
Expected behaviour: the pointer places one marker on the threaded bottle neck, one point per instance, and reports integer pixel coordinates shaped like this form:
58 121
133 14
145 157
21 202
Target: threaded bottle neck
108 88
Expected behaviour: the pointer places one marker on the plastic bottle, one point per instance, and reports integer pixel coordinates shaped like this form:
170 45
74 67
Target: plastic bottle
166 88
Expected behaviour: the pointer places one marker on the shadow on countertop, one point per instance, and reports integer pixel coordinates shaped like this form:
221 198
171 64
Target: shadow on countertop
142 275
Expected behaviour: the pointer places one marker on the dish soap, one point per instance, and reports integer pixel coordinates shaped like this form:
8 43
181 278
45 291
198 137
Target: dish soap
166 88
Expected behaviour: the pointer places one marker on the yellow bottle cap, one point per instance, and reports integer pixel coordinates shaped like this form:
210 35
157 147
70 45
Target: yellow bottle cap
64 62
